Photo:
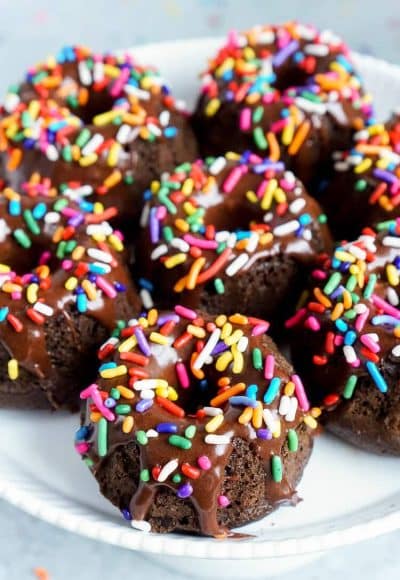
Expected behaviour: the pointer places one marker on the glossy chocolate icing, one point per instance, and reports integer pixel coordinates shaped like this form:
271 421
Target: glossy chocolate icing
193 399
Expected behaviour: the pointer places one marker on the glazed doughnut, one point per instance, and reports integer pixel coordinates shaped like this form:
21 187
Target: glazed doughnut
366 179
63 286
346 340
230 231
288 91
102 120
196 423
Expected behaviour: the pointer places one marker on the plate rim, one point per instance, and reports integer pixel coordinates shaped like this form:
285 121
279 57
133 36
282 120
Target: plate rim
30 494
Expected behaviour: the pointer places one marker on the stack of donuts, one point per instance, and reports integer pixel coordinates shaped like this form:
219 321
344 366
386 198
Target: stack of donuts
150 257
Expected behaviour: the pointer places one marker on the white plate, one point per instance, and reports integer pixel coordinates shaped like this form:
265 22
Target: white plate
348 495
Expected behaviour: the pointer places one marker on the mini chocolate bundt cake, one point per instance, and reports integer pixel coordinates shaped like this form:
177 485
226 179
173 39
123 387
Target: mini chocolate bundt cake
103 120
196 423
288 91
64 284
230 232
346 340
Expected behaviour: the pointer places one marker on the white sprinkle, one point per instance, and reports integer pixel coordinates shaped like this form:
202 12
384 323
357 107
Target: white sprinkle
341 166
100 255
123 134
144 218
98 72
396 350
150 384
307 235
217 439
111 340
266 37
335 109
286 229
141 526
391 241
222 236
166 471
243 344
93 144
231 241
357 252
297 205
79 192
207 349
52 153
284 405
310 106
236 265
4 230
212 411
11 102
252 243
164 118
154 129
52 217
180 244
349 354
139 93
269 419
360 308
316 49
147 394
291 414
99 229
217 165
146 298
392 296
85 75
43 309
159 251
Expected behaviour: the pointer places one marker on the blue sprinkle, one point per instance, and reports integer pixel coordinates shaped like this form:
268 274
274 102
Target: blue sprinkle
110 403
272 391
144 283
341 325
81 302
82 433
377 377
170 132
3 313
167 428
14 207
350 338
143 405
39 211
264 434
252 391
245 401
126 514
107 365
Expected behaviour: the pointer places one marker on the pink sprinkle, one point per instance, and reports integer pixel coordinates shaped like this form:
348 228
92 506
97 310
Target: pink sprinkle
82 448
300 393
203 462
44 258
93 392
361 320
16 295
223 501
278 126
119 83
185 312
287 185
312 323
67 265
106 287
369 343
182 375
296 319
260 329
261 188
386 307
161 212
355 364
319 274
245 119
269 97
200 243
269 366
233 178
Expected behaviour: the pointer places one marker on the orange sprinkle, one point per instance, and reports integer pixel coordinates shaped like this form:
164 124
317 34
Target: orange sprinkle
14 159
191 279
300 137
223 397
274 150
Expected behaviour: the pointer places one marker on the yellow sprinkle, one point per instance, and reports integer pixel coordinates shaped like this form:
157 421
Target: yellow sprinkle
347 300
4 269
152 316
175 260
43 271
187 186
316 412
376 129
276 433
127 424
196 331
189 208
116 243
223 361
88 160
310 422
344 256
143 322
182 225
98 207
125 392
289 389
238 360
172 395
363 166
213 424
280 195
162 392
220 320
257 416
71 283
195 269
246 416
114 372
212 107
158 338
288 132
226 330
128 344
105 118
234 337
396 331
392 275
90 289
266 238
12 368
251 196
78 253
113 179
238 319
268 195
337 311
112 158
320 296
32 293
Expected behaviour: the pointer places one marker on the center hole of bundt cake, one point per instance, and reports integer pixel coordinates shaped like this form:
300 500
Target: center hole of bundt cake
98 103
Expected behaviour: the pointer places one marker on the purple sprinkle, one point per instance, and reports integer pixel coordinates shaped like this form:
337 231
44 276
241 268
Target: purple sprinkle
167 428
109 403
154 226
337 292
280 57
384 175
76 220
126 514
142 341
143 405
220 347
167 318
264 434
184 491
266 165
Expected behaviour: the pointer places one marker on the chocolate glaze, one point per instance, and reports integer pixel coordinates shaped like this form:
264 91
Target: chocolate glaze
159 452
30 346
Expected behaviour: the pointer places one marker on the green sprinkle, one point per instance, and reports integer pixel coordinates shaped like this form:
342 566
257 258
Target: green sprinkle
276 468
322 218
258 114
385 225
257 359
66 153
22 238
293 440
128 179
349 387
115 394
164 199
102 428
83 138
350 314
72 101
332 283
351 283
219 286
196 216
141 438
60 204
370 286
168 234
176 478
259 138
60 253
190 431
70 246
145 475
123 409
311 96
360 185
26 119
178 441
89 462
186 167
221 247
